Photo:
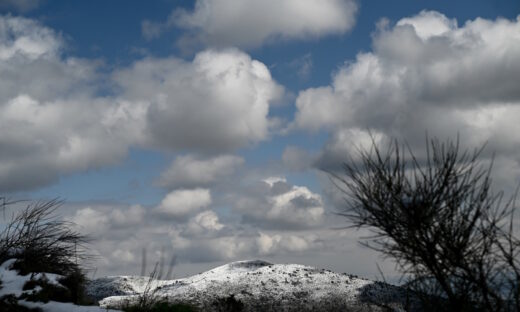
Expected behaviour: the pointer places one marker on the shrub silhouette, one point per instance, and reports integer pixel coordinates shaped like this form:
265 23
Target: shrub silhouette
229 303
450 235
41 242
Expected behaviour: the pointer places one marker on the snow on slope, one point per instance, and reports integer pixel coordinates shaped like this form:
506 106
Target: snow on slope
258 286
12 284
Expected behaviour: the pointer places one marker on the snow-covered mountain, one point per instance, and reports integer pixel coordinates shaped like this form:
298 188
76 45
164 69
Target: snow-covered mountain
258 286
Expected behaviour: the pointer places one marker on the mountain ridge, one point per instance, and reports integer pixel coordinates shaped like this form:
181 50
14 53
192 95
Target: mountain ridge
257 285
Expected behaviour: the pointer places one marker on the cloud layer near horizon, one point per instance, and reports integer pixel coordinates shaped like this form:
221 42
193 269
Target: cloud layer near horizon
278 218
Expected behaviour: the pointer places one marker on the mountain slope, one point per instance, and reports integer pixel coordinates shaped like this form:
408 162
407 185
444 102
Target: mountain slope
258 286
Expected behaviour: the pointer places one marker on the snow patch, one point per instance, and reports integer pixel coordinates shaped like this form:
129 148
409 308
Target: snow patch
12 284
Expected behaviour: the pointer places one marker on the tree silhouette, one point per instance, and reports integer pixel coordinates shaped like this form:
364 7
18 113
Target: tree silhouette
451 236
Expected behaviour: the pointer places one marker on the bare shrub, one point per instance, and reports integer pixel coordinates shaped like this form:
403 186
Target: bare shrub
150 301
41 242
450 235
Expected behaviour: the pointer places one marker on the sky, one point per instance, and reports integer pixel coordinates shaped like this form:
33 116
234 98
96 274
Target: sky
203 130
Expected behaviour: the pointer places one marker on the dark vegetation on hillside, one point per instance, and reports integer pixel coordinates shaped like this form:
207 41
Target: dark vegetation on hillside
438 219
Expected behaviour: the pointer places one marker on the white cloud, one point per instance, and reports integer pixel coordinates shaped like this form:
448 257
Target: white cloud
242 245
250 23
181 203
127 217
276 204
345 145
425 73
90 221
448 67
194 228
42 140
25 37
199 240
55 121
312 116
276 243
190 171
218 249
429 24
123 256
218 102
95 219
51 121
206 222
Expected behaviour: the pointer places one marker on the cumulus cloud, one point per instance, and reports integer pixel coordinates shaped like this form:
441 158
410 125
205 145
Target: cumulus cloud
24 37
127 217
206 222
345 145
214 248
180 203
249 24
425 73
270 244
274 203
202 238
218 102
429 24
445 66
191 171
57 119
51 120
95 219
271 218
90 220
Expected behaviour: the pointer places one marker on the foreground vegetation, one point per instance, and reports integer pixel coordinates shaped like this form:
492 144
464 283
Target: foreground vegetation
40 242
437 217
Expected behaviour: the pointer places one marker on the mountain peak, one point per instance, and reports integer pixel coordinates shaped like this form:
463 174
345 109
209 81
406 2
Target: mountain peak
259 286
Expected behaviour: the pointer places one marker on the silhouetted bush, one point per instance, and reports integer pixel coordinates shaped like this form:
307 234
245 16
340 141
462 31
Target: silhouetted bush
449 234
75 282
229 303
40 242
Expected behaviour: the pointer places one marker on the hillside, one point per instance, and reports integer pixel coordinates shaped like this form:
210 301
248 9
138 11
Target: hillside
258 286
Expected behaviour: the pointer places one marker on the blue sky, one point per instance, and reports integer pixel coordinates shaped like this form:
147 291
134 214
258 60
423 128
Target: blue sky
202 127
